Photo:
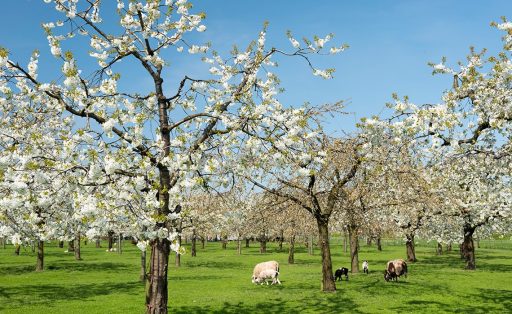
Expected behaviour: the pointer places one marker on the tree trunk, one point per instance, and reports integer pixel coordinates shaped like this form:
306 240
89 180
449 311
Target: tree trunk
17 249
4 240
468 248
439 250
369 241
379 244
225 242
449 247
98 243
239 246
281 239
291 250
71 246
328 284
156 287
120 244
77 247
409 244
33 246
193 252
177 261
263 242
61 244
354 248
142 276
40 256
110 240
203 240
247 240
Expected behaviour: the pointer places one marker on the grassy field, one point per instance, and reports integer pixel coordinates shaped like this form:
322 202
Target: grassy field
218 281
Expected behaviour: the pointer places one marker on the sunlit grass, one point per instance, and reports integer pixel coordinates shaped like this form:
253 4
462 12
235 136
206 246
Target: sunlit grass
218 281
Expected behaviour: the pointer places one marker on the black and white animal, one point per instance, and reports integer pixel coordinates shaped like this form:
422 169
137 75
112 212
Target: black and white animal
395 269
341 272
365 267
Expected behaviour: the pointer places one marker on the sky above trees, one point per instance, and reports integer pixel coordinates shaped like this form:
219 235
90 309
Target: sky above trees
391 43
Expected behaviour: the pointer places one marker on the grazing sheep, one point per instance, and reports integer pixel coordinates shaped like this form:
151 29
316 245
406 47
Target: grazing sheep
273 265
267 274
340 272
395 269
365 267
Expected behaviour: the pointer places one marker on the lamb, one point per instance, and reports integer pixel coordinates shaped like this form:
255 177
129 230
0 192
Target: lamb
340 272
273 265
395 269
267 274
365 267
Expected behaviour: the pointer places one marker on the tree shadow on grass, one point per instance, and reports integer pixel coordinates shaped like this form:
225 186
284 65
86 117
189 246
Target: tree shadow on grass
329 303
48 294
66 266
214 264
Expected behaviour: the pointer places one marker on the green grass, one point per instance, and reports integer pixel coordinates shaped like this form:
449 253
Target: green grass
218 281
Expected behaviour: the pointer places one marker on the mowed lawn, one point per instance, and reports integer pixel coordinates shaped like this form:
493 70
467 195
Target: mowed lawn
219 281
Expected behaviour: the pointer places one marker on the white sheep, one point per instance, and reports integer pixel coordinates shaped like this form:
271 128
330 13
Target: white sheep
273 265
266 275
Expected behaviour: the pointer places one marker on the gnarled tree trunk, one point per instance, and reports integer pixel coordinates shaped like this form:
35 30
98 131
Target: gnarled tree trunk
328 284
468 247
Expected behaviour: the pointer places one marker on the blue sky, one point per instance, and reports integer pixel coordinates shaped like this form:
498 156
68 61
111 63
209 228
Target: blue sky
390 44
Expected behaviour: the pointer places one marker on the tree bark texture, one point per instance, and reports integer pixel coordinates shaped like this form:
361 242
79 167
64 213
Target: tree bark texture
468 247
328 284
156 287
77 247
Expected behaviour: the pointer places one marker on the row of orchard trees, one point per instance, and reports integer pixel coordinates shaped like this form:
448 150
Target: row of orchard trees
85 154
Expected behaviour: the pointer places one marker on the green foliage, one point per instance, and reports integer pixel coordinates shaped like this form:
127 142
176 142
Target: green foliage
219 281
